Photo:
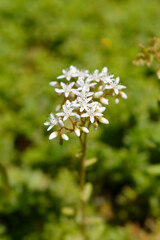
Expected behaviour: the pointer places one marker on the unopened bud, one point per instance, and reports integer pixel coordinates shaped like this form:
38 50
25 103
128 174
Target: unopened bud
58 108
65 137
53 135
95 126
77 117
77 131
123 95
84 129
72 94
116 100
158 73
103 100
53 83
103 120
60 123
98 94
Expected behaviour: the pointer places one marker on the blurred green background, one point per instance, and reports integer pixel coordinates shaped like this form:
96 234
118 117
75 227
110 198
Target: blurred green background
37 176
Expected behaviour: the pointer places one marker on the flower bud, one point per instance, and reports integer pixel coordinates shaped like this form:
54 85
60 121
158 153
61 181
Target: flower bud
60 123
77 131
65 137
105 101
53 135
98 94
58 108
53 83
158 73
123 95
103 120
84 129
77 117
72 94
116 100
95 125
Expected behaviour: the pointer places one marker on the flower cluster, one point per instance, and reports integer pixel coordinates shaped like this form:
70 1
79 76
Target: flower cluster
83 98
149 54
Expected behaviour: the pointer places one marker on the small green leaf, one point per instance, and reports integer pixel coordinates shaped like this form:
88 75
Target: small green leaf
86 194
90 162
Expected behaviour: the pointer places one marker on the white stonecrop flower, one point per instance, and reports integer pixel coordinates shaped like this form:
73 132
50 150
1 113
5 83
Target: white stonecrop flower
83 103
67 111
83 100
92 112
66 89
83 93
82 74
115 85
85 84
52 122
96 76
104 72
68 74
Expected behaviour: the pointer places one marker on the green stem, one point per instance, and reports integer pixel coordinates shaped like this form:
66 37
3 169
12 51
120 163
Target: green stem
82 185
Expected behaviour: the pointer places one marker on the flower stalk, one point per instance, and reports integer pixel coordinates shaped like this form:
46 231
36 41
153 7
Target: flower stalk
82 185
83 98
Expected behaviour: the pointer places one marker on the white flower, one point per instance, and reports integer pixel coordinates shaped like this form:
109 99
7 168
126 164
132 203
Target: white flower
95 76
106 80
85 84
83 103
92 112
104 72
114 85
82 74
52 122
53 135
83 97
66 89
100 108
67 111
68 74
84 93
105 77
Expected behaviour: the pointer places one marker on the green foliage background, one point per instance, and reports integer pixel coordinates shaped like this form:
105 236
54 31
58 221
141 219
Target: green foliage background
37 176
